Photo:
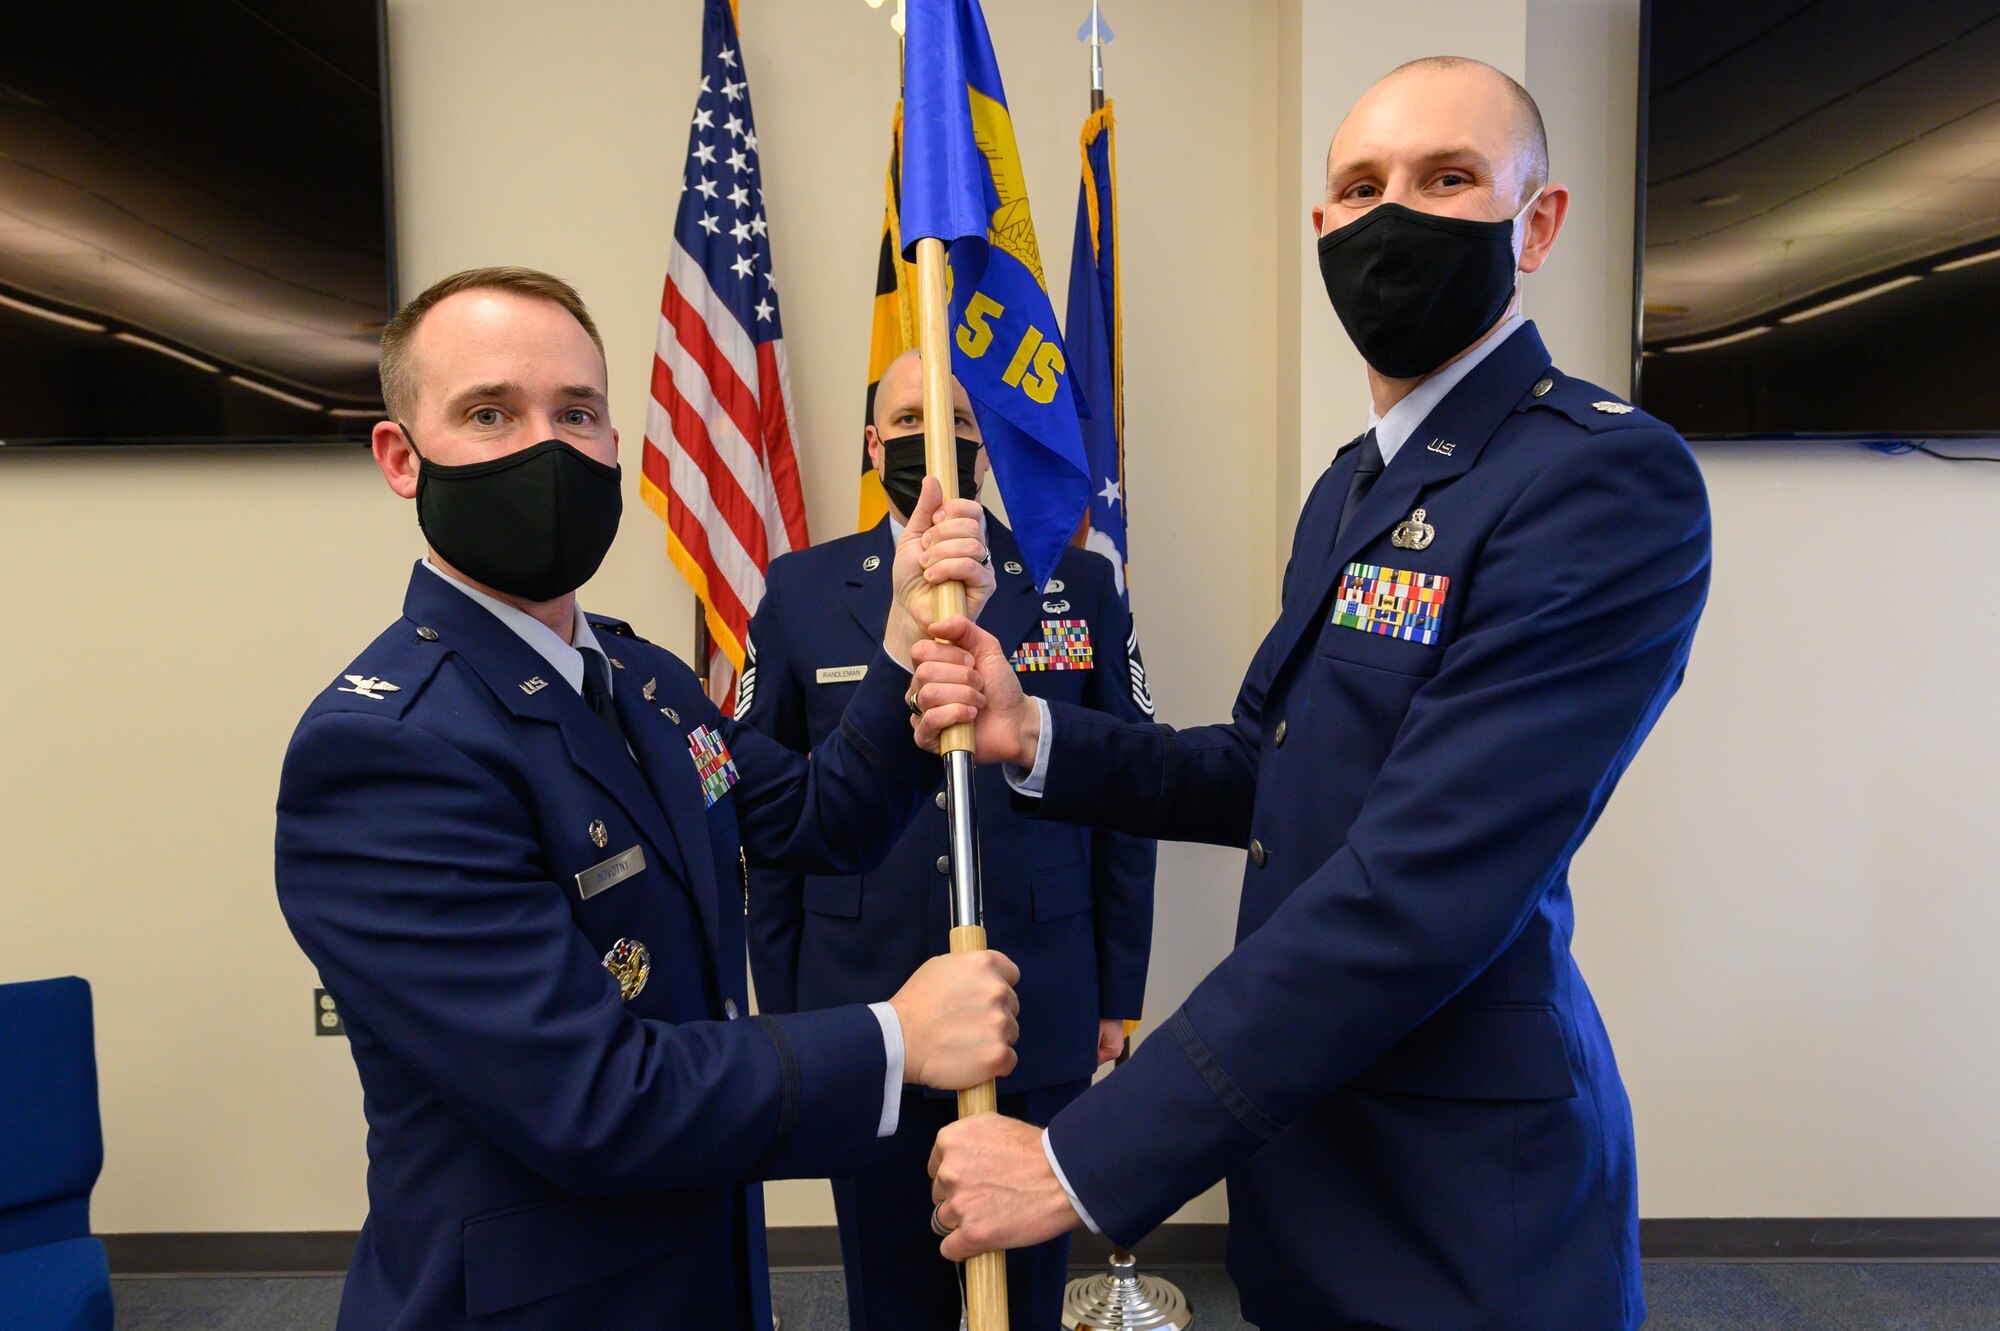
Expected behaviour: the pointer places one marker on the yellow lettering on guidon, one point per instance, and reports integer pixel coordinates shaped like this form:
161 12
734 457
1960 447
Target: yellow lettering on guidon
973 335
839 674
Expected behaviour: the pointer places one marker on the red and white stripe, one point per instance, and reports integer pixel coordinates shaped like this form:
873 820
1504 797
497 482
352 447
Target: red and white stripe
719 446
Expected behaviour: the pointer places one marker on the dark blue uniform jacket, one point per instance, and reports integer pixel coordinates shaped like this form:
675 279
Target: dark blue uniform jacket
1399 1068
542 1154
1072 907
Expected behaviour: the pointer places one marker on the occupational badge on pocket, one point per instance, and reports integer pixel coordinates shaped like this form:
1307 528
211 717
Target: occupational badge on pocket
712 764
629 963
1393 602
1064 645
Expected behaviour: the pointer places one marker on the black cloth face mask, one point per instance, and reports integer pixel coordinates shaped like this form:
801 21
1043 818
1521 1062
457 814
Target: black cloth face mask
1414 289
533 524
903 469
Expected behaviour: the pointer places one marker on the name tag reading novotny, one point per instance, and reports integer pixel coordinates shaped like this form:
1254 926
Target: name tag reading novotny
610 873
839 674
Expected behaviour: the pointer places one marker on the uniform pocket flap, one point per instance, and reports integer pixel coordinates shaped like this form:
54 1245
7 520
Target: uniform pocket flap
833 896
518 1256
1478 1052
1061 890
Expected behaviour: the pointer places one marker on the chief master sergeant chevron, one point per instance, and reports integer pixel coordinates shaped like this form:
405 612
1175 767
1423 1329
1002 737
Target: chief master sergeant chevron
513 839
1073 907
1492 595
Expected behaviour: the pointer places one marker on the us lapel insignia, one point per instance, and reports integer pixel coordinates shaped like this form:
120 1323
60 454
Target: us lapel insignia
369 687
870 564
1393 602
1012 566
712 764
599 836
1443 447
1413 533
651 687
629 963
533 684
1613 408
1064 645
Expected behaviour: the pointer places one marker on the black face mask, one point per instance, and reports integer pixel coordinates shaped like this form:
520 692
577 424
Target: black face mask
1414 289
903 469
534 524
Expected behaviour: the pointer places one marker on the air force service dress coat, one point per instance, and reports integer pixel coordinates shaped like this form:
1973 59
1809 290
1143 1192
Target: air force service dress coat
460 843
1399 1068
1072 907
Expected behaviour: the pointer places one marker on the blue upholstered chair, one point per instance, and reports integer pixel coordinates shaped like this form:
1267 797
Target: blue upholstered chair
53 1274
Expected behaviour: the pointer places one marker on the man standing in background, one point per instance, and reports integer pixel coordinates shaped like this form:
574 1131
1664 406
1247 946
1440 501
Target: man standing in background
1073 907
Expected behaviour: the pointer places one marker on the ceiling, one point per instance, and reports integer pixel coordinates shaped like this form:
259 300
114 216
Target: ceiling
1797 148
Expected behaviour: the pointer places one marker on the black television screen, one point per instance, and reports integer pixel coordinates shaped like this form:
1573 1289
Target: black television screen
1820 195
194 221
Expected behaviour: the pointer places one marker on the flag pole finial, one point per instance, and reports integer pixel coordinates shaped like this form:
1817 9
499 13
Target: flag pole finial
1097 34
896 19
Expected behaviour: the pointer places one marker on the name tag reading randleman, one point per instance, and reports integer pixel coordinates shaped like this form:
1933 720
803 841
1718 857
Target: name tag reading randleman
611 872
839 674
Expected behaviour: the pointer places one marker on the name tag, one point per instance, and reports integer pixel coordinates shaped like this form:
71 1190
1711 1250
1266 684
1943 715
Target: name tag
839 674
600 877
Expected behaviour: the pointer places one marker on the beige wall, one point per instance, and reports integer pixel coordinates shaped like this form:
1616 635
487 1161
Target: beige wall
176 611
1784 912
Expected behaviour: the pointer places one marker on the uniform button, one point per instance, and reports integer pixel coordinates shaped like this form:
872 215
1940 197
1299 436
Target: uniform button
427 634
1542 388
729 1008
1257 852
1278 735
940 799
944 864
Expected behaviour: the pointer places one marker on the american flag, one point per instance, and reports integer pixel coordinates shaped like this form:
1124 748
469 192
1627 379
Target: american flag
719 466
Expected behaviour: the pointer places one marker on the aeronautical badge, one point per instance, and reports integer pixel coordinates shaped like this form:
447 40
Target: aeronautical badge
712 764
1613 408
1064 645
1413 533
367 686
1393 602
629 963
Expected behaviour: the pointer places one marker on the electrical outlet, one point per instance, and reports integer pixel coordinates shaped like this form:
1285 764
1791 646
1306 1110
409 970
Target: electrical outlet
326 1015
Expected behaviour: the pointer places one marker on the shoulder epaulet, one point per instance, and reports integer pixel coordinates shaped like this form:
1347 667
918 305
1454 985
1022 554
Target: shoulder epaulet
388 675
617 628
1594 409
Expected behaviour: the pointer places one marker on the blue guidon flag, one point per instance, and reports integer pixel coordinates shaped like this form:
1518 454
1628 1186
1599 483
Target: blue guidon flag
962 184
1095 345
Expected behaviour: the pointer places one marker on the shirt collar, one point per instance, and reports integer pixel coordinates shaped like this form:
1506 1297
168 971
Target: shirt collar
1395 428
565 657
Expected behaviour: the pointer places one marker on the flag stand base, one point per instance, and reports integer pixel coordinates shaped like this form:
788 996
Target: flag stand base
1123 1300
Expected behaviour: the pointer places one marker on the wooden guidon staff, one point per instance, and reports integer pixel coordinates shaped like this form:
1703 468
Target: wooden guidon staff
986 1273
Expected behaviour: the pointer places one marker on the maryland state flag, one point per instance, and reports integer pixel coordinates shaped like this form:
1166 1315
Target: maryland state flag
962 183
894 330
1095 341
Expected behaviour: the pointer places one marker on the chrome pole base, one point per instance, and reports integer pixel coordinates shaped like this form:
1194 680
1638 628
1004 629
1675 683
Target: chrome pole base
1123 1300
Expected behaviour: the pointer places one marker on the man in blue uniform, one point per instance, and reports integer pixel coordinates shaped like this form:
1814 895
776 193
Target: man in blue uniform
1491 597
512 838
1073 908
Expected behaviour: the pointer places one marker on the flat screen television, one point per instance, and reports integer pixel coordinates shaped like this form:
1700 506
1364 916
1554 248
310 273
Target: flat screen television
1819 201
194 221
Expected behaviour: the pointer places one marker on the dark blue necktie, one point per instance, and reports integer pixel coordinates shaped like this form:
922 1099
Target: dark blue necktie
597 693
1367 470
